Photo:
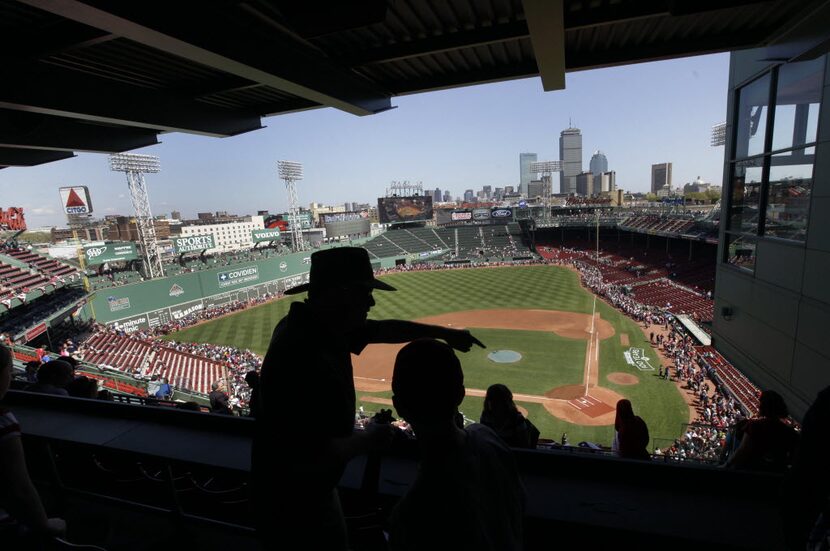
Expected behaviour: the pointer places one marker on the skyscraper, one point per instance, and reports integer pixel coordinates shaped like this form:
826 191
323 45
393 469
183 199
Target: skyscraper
447 196
469 195
487 191
436 195
570 152
660 176
599 163
525 175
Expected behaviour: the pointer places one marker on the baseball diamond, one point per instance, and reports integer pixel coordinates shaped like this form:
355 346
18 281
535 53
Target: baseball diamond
568 379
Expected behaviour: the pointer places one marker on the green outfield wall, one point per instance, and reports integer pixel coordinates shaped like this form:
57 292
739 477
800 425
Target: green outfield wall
152 303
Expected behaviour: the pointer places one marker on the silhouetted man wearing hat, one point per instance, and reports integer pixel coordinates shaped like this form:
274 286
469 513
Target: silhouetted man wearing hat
305 432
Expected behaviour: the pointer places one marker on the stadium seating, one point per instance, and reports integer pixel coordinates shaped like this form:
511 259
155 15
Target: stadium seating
184 371
48 266
740 387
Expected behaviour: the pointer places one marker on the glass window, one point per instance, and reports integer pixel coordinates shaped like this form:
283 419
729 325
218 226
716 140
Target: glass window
746 196
788 195
740 251
797 101
753 103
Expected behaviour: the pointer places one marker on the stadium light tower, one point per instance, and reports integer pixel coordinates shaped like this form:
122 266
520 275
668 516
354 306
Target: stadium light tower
718 135
135 167
546 169
291 171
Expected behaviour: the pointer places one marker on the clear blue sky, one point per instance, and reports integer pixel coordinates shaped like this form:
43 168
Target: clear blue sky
456 139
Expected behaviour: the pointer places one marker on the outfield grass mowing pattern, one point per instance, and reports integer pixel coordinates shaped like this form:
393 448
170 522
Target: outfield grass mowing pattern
548 359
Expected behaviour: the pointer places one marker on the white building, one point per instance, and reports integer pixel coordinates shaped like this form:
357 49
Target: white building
228 236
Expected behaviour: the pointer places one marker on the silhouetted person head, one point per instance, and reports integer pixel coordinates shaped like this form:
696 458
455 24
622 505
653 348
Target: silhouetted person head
427 383
340 286
625 412
771 404
56 373
83 387
252 379
499 400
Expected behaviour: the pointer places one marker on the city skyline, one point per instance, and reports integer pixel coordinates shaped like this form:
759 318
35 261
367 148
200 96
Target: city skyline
455 139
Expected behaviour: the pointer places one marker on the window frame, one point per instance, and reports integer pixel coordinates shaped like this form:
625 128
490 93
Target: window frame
766 157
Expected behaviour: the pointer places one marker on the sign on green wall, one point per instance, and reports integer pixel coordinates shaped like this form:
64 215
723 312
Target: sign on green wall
109 252
265 235
190 243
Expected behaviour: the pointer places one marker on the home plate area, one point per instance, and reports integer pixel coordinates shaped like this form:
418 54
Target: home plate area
590 406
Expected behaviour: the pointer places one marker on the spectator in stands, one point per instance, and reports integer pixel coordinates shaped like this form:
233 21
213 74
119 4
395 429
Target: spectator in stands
252 380
165 391
631 438
502 415
768 443
806 489
52 378
31 371
467 488
219 399
19 496
83 387
313 343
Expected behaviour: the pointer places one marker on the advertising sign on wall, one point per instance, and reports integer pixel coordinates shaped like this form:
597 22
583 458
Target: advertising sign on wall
238 276
192 243
109 252
481 214
502 212
461 215
265 235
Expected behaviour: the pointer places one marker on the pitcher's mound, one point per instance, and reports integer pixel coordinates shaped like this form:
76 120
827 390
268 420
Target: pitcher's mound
621 378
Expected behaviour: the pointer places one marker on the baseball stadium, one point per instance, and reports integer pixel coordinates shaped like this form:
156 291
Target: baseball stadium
137 347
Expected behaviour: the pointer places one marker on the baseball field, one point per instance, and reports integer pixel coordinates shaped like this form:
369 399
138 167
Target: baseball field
566 356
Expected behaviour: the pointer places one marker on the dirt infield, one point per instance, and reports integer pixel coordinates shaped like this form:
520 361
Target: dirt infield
375 362
564 324
621 378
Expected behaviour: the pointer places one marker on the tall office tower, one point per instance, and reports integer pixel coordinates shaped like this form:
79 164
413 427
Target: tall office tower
570 153
599 163
469 195
660 176
447 196
436 195
498 193
488 191
525 175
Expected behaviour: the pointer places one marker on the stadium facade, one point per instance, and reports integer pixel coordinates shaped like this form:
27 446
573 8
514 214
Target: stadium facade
772 299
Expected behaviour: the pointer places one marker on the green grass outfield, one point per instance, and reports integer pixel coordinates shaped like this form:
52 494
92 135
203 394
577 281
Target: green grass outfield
548 360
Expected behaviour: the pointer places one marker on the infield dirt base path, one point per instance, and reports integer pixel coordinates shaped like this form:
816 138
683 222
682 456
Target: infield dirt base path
373 367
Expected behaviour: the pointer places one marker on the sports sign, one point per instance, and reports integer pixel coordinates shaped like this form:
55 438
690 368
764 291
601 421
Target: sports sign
265 235
109 252
76 200
637 357
192 243
481 214
502 212
458 215
238 276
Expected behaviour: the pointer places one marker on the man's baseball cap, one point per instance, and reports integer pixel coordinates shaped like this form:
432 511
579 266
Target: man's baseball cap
340 267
